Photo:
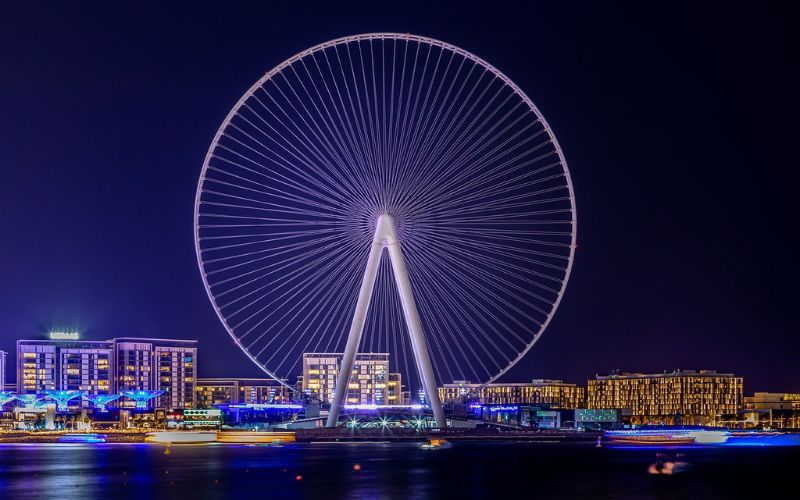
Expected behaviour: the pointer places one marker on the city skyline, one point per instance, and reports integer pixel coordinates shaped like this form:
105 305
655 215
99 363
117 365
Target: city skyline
112 201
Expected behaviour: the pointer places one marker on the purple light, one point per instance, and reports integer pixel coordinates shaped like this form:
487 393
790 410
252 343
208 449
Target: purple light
141 397
503 408
62 398
101 400
385 407
29 399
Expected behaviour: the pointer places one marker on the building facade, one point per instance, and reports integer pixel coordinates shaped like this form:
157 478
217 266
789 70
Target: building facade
220 391
371 381
177 367
111 366
685 397
551 393
69 365
776 410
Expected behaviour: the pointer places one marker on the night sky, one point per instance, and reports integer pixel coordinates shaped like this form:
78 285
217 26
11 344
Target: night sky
679 126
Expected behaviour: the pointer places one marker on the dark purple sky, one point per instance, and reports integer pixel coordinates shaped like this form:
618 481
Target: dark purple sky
679 127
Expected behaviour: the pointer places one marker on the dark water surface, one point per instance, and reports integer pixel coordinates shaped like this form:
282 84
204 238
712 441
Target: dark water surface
397 470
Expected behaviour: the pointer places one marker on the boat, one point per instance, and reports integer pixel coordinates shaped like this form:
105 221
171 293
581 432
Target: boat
668 436
435 444
83 438
181 437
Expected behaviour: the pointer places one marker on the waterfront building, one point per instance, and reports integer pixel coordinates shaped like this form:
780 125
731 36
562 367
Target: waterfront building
176 361
227 391
65 365
685 397
773 409
167 365
552 393
370 383
772 401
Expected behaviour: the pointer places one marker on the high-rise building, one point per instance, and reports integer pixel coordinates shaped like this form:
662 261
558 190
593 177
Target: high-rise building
678 397
134 365
168 365
553 393
36 366
176 362
110 366
216 391
69 365
370 382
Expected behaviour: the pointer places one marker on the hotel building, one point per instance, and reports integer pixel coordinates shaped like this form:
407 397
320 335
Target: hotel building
176 362
110 366
552 393
218 391
370 383
685 397
67 365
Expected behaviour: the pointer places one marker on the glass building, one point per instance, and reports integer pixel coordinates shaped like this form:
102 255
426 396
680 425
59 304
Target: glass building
685 397
370 383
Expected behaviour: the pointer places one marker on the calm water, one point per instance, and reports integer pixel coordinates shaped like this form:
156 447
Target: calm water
398 470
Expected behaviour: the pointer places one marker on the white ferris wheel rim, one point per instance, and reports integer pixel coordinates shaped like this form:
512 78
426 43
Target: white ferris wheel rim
407 37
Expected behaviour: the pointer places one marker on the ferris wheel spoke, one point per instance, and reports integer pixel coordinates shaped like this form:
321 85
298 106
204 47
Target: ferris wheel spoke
310 282
298 309
336 188
415 134
505 277
409 114
290 154
365 129
447 188
443 331
330 303
265 189
467 282
337 310
457 322
482 245
330 125
450 144
270 268
276 250
299 148
354 136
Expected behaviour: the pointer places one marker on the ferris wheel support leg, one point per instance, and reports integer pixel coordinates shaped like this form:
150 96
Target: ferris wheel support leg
418 344
356 330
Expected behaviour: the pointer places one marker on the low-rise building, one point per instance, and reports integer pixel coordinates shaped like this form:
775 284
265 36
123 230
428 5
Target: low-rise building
552 393
777 410
685 397
228 391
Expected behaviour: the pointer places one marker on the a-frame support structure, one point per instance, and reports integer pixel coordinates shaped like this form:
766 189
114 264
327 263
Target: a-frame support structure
386 239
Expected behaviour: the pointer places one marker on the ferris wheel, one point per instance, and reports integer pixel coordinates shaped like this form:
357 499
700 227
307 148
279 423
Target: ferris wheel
386 193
